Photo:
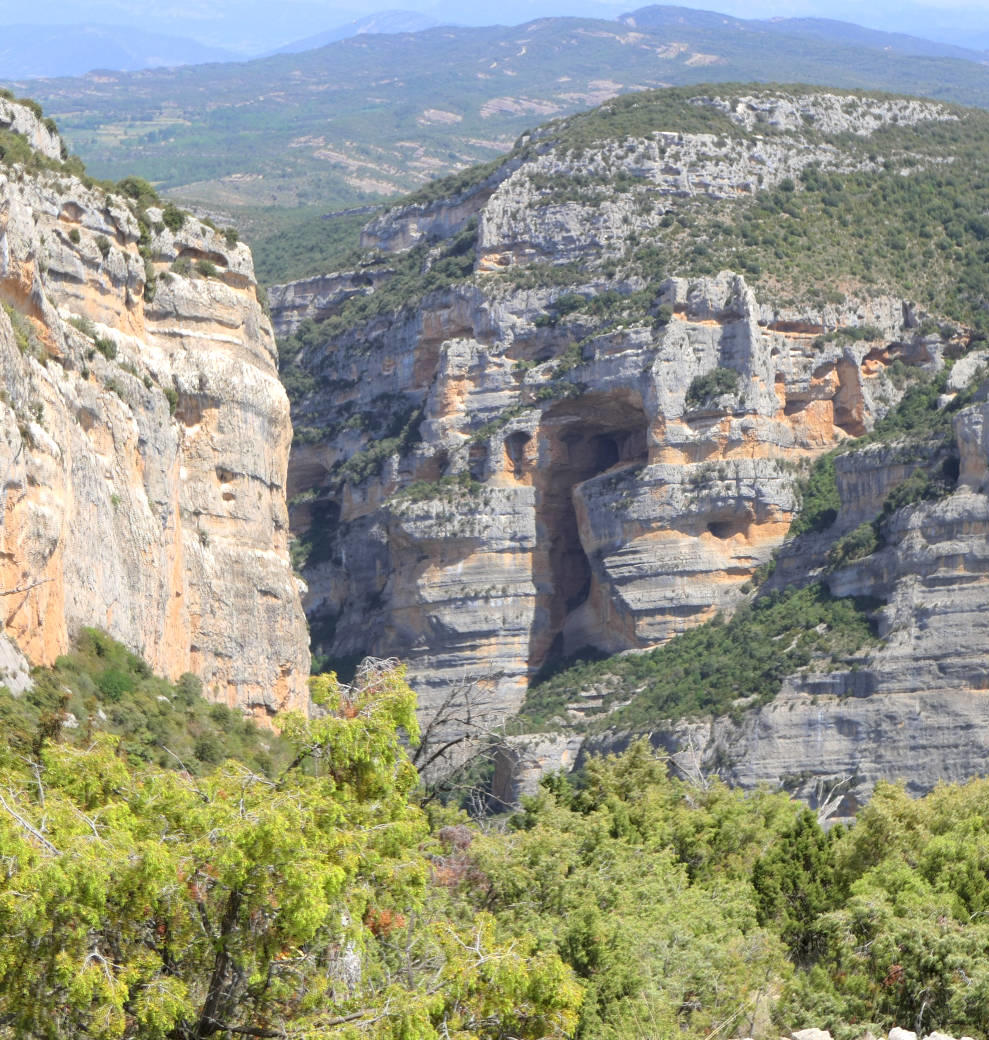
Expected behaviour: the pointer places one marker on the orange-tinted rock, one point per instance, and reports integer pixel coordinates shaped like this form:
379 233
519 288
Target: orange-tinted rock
143 445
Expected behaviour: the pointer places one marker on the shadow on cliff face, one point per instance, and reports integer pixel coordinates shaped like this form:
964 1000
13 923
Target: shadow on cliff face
579 439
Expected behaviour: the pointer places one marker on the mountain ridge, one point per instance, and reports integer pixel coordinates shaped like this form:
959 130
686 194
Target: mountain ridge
396 21
372 116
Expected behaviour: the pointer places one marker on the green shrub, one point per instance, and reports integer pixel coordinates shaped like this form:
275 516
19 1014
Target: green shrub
139 190
83 325
208 749
664 315
103 245
150 282
106 347
861 542
716 383
114 683
15 149
920 486
23 333
818 497
172 217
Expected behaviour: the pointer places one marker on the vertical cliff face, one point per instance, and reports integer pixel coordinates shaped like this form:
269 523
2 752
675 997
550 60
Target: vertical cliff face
912 708
144 441
568 410
546 507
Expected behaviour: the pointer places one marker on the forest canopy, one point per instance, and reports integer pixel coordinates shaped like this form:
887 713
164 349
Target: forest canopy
324 898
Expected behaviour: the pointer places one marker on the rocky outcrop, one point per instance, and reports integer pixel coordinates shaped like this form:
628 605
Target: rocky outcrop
317 298
542 512
556 455
144 440
914 708
42 135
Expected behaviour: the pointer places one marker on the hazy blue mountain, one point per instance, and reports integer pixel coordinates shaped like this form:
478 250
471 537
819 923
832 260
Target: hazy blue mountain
857 35
28 51
253 27
382 22
669 18
245 27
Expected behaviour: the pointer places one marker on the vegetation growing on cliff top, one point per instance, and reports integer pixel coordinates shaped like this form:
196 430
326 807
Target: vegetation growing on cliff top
903 220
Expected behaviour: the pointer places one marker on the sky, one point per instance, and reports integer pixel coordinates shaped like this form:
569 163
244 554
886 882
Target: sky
256 26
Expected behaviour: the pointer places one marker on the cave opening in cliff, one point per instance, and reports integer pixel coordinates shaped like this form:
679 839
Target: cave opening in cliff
579 439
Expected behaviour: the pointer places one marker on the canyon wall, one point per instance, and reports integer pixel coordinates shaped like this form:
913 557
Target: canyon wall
144 440
489 477
516 442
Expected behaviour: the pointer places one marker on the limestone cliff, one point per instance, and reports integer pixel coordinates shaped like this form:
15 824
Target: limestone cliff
914 708
515 444
144 438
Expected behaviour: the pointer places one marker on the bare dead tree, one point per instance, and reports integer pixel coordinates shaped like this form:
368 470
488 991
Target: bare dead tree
828 799
689 762
459 745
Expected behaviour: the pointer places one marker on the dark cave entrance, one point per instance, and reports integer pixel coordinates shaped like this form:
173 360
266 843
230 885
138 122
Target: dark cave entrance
580 439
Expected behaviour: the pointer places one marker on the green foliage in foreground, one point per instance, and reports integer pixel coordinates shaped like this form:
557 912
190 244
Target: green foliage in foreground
906 938
693 910
708 668
323 902
103 688
138 903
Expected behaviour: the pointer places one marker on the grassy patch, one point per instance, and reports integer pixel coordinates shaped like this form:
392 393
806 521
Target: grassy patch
707 669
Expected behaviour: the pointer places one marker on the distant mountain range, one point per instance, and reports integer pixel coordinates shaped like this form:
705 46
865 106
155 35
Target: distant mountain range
665 18
28 51
382 22
253 27
375 115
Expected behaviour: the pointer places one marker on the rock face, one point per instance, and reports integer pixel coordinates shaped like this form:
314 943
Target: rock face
517 442
491 478
144 441
914 709
539 515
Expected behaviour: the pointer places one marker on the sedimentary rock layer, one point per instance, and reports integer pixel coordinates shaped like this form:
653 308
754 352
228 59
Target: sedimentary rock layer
557 451
144 441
